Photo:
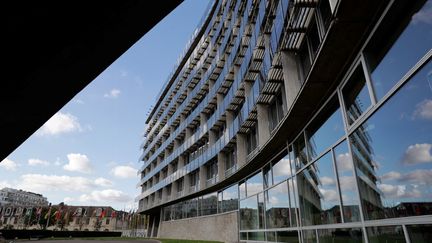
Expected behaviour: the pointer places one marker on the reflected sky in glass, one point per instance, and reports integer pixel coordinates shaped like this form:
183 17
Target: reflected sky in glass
397 145
413 43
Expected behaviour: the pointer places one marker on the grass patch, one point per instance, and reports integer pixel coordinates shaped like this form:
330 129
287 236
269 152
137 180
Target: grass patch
186 241
134 238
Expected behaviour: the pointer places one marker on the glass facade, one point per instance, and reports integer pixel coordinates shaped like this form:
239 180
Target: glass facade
358 165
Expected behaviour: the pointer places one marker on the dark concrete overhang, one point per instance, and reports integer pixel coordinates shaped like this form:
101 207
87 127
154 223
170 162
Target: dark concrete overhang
52 50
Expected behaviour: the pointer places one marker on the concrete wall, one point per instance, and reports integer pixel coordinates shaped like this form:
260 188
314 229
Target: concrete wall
220 227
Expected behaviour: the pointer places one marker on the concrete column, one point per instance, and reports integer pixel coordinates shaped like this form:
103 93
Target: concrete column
186 184
159 160
241 150
167 152
174 190
212 138
247 88
170 169
219 98
221 165
291 77
176 144
211 84
188 133
203 121
181 162
202 177
263 124
164 194
229 118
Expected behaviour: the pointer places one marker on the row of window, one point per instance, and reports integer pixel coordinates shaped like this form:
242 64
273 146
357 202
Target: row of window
375 234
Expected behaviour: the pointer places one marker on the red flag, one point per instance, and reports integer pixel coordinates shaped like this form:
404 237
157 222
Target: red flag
57 215
103 214
113 214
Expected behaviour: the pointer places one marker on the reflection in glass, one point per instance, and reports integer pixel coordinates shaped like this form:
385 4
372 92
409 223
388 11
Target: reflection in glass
389 65
386 234
393 153
167 213
249 213
294 210
277 207
230 199
318 195
191 207
258 236
242 189
287 236
243 235
282 169
268 178
300 152
309 236
209 204
325 129
254 184
347 183
271 236
420 233
353 235
261 211
356 95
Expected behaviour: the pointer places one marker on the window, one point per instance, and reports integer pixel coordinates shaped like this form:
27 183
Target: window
275 110
249 213
391 55
392 151
230 199
252 139
340 235
254 184
347 183
326 128
356 95
277 207
318 193
386 234
282 169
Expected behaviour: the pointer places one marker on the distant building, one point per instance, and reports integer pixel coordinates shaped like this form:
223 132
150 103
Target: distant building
15 197
69 218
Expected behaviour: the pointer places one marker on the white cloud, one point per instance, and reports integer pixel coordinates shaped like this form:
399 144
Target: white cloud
424 15
79 163
329 195
68 199
398 191
344 162
282 168
103 182
422 177
9 165
105 196
253 188
45 183
35 162
327 181
114 93
4 184
347 183
392 175
60 123
274 200
124 171
79 101
417 154
424 110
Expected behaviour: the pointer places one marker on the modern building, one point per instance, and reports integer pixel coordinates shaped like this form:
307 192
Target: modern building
15 197
296 121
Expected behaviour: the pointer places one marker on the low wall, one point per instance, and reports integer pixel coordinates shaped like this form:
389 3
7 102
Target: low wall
219 227
27 234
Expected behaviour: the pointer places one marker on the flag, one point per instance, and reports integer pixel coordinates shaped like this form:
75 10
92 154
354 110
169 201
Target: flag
102 215
48 213
57 215
113 214
39 211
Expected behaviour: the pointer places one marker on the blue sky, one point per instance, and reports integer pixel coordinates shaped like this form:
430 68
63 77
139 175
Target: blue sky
87 154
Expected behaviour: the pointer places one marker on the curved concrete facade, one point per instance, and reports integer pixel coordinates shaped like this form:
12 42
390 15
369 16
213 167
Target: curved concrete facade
269 116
